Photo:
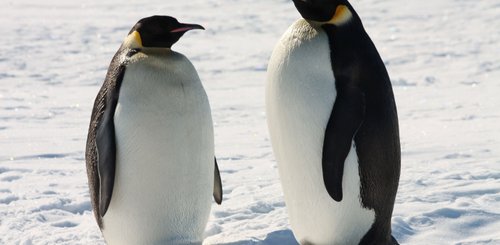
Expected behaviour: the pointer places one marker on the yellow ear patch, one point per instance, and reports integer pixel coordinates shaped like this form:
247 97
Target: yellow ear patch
133 40
342 15
137 37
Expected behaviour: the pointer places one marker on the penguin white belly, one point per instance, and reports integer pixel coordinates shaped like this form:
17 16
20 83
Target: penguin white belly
300 95
165 155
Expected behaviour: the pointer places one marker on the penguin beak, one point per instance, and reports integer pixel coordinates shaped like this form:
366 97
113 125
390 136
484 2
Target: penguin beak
187 27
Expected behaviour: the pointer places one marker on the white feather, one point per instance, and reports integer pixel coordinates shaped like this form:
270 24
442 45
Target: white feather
165 154
299 98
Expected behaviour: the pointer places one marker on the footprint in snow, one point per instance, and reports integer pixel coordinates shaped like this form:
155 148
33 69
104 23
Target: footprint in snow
7 200
11 178
65 224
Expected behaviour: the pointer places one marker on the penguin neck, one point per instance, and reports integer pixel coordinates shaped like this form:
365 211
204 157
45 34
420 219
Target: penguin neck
351 49
157 50
351 30
348 42
132 55
154 51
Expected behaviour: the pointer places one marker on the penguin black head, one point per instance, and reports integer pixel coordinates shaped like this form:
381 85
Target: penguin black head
157 32
335 12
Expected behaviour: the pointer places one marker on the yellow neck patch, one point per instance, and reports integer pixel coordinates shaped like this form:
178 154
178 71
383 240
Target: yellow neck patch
342 15
133 40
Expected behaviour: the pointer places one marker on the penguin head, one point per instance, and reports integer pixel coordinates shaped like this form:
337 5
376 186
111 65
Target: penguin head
157 32
334 12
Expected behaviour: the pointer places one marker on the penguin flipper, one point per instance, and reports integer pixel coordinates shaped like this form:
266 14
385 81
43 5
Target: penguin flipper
106 140
106 159
100 152
346 118
217 184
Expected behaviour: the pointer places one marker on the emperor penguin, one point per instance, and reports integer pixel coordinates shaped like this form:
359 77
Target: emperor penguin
333 125
150 148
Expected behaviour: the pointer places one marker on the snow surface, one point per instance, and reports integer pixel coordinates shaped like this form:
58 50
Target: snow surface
443 57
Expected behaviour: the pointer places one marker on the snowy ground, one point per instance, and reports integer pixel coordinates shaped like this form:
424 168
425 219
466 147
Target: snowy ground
443 57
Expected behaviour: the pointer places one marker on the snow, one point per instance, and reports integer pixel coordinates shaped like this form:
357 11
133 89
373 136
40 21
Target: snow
443 58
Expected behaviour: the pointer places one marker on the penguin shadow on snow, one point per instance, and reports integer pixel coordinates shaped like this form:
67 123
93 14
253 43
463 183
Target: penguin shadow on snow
282 237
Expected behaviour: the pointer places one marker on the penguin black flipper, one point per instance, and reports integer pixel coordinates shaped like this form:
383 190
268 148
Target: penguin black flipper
217 184
346 118
100 151
106 151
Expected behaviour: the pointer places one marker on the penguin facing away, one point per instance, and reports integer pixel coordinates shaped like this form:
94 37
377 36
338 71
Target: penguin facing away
150 147
334 128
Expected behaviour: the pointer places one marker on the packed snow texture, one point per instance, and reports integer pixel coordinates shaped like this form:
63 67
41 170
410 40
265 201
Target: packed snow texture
443 57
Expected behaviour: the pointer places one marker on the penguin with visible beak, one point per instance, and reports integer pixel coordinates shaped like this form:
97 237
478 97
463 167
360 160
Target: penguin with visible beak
150 148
